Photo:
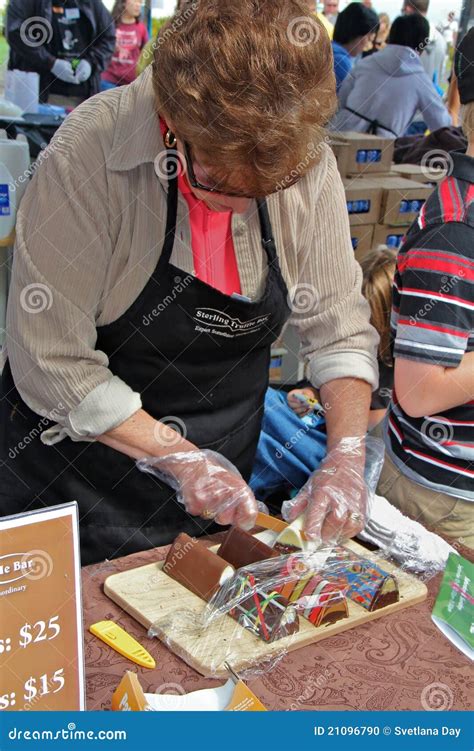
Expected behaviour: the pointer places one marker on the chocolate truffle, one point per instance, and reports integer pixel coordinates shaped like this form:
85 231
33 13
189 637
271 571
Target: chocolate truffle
195 567
242 549
267 614
363 581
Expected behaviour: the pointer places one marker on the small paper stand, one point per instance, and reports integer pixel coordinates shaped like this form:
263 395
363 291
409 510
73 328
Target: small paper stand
41 630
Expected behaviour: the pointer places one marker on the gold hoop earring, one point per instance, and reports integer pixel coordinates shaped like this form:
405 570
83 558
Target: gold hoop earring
170 139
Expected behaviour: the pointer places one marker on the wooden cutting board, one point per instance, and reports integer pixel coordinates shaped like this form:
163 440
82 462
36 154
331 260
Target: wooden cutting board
173 614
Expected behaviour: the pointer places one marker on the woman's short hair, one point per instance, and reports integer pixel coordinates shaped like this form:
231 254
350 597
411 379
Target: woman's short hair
355 21
250 86
378 268
410 31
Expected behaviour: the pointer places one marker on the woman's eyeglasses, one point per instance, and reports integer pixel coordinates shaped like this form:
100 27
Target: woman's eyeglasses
195 183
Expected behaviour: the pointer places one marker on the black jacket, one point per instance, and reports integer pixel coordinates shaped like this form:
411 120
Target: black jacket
40 59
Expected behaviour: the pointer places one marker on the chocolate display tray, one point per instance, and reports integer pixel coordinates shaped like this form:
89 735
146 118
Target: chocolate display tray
151 597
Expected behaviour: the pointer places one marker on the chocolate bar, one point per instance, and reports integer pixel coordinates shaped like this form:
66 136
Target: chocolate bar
319 601
267 614
282 549
363 581
195 567
242 549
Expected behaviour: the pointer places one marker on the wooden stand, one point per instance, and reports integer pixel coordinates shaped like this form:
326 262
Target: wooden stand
173 614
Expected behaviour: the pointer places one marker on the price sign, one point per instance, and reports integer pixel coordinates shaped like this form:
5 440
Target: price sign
41 633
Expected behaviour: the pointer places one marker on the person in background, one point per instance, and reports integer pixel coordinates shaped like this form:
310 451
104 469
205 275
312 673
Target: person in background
433 54
384 91
429 432
356 27
383 32
313 8
449 29
292 442
132 35
68 43
378 268
453 102
331 10
380 40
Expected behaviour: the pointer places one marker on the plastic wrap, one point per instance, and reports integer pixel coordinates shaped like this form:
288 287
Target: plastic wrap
207 484
405 541
336 498
270 607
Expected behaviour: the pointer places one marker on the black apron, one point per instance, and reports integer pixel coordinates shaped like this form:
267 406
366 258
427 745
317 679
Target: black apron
200 360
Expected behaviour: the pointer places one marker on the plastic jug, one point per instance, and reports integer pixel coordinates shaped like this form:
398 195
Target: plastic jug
15 155
7 203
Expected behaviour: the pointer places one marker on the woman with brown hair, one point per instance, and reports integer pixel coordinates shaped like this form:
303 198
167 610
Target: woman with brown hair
177 224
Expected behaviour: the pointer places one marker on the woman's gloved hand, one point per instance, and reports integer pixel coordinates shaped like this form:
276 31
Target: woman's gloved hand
207 484
83 71
335 498
62 69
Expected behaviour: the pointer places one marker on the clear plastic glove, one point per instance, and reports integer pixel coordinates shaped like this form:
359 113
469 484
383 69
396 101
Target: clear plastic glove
62 69
335 498
207 484
83 71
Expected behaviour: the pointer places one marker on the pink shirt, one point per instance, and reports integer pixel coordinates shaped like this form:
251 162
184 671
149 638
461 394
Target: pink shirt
211 241
130 40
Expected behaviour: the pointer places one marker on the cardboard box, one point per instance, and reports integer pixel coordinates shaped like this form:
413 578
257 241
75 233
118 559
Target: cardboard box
402 199
363 197
377 174
360 153
276 364
130 697
420 174
392 237
361 236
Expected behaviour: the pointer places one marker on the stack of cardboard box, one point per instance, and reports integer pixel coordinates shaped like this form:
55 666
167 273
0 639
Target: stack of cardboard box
383 199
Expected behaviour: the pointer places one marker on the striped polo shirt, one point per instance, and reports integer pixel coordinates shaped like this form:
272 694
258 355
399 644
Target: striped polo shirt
433 321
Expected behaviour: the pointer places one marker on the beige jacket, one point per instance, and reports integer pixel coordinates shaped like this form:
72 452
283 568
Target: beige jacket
89 234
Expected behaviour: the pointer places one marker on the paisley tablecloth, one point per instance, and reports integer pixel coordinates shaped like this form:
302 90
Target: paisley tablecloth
399 662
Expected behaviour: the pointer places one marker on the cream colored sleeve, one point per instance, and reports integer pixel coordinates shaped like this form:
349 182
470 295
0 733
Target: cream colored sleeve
329 310
61 256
